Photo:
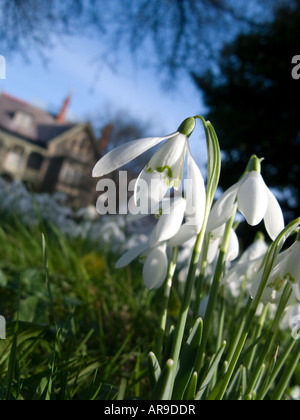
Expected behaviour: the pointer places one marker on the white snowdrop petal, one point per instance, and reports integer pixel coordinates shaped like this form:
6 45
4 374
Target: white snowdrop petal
155 268
169 223
149 188
223 208
185 233
195 195
131 255
233 246
169 158
257 249
124 154
252 198
291 271
274 221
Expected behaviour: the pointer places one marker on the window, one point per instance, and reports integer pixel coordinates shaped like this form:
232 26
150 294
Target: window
35 161
14 158
71 174
23 120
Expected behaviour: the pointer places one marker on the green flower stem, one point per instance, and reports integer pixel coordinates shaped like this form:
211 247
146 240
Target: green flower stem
221 322
185 306
165 303
215 287
200 281
257 334
269 262
287 374
276 370
269 342
214 167
238 332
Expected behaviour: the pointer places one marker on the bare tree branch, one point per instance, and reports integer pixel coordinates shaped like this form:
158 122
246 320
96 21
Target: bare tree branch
169 35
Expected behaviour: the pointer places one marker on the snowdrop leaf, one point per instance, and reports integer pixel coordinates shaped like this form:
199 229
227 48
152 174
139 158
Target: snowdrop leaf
162 390
211 370
187 360
153 369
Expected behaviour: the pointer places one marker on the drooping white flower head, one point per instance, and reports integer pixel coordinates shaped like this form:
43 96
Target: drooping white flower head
155 263
291 268
155 249
286 269
246 267
163 171
254 200
165 168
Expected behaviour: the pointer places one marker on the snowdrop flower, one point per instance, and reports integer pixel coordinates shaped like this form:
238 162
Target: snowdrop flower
254 200
154 251
165 168
215 242
291 318
155 263
246 267
290 270
286 269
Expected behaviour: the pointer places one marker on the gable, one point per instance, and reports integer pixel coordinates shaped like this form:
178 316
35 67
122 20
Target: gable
79 142
28 122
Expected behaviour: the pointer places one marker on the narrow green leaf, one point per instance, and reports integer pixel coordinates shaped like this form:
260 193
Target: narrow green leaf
163 387
187 360
154 369
212 368
191 389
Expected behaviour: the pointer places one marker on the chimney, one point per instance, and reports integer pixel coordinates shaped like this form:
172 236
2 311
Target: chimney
61 117
106 132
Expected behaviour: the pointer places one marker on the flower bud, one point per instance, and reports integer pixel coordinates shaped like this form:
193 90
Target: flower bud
254 164
187 127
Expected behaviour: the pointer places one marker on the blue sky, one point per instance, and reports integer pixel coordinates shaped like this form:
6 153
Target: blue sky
97 88
71 65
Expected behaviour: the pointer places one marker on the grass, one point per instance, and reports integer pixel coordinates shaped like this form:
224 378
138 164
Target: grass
76 327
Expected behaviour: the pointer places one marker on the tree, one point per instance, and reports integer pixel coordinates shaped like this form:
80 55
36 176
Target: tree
253 101
172 36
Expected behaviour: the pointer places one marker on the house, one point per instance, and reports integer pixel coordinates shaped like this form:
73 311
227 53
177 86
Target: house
47 152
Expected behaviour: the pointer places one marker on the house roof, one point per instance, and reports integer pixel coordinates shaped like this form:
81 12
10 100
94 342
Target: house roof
41 126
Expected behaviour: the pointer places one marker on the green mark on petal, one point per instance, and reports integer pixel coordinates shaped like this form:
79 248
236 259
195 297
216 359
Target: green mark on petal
289 278
166 167
148 169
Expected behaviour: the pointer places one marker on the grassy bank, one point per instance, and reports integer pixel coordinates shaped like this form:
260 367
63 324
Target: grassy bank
76 327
